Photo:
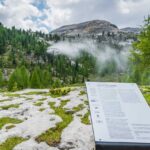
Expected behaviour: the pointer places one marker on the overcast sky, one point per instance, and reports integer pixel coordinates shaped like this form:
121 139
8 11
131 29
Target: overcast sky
47 15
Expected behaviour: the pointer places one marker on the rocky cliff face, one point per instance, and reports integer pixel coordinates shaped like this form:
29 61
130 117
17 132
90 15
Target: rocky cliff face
90 27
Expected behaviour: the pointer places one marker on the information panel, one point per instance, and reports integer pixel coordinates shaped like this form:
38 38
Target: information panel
119 112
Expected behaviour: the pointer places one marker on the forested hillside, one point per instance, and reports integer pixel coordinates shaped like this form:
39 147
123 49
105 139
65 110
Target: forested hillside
24 57
24 61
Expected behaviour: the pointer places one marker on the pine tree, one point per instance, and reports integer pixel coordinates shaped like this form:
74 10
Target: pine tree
57 83
35 79
140 58
47 79
141 51
24 77
1 78
12 81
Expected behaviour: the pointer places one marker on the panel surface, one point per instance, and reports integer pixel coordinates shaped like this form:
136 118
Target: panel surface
119 113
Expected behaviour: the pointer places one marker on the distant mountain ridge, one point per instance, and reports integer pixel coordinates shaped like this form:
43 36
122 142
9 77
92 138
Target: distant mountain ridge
131 30
95 27
89 27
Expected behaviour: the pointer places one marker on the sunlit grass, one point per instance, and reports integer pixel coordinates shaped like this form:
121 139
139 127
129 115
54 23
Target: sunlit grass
82 93
78 108
41 109
146 92
35 93
42 99
7 120
59 92
38 103
6 107
10 126
4 100
10 143
12 95
53 136
85 118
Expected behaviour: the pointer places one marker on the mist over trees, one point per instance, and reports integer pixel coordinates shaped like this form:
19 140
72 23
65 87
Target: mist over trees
25 63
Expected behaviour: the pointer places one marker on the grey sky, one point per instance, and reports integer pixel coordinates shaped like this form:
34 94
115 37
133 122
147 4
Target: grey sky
46 15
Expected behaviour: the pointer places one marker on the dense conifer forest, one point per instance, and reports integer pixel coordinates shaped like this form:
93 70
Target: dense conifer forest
24 62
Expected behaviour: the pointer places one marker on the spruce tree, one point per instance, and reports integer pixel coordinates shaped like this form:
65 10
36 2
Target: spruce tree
24 77
35 81
12 81
1 78
47 79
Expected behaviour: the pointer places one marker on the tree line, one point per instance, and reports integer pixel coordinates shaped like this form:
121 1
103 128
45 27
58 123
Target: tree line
24 53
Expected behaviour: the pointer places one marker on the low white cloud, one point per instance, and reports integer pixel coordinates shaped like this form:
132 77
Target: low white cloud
24 14
20 14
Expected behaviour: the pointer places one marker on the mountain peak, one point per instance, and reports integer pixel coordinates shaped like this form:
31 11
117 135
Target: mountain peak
88 27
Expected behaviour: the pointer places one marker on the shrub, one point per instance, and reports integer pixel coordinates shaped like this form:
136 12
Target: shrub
59 92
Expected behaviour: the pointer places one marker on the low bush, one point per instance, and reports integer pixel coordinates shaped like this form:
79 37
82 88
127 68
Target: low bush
59 92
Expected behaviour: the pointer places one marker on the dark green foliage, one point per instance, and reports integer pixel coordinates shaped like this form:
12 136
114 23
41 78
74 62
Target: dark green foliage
1 78
140 58
24 77
36 78
56 84
46 79
59 92
19 79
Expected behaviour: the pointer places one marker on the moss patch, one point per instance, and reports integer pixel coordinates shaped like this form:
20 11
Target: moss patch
10 143
41 109
82 93
86 102
78 108
53 136
10 127
35 93
85 118
6 107
6 120
4 100
38 103
12 95
28 98
42 99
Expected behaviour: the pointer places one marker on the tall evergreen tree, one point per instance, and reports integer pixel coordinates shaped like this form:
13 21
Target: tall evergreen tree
35 81
1 78
24 77
47 79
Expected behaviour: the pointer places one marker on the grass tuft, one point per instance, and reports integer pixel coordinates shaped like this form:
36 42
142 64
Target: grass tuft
53 135
35 93
82 92
41 109
78 108
12 95
6 107
10 127
38 103
10 143
59 92
85 118
4 100
7 120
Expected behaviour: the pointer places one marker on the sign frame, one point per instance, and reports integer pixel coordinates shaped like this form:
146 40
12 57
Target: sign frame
108 145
